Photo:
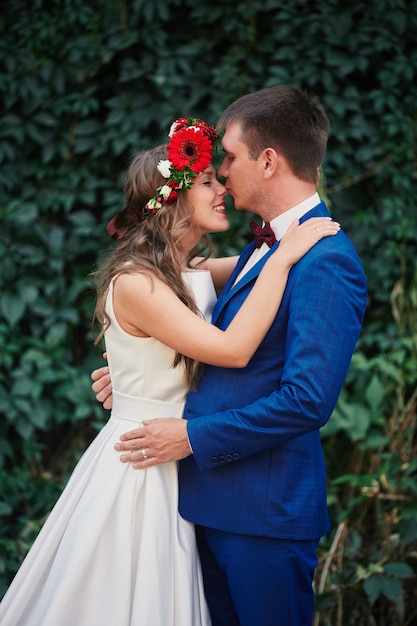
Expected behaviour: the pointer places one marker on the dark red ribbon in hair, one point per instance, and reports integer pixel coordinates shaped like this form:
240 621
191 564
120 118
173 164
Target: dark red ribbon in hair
115 228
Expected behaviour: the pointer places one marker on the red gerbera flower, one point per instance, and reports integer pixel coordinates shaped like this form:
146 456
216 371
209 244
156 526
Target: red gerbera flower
189 147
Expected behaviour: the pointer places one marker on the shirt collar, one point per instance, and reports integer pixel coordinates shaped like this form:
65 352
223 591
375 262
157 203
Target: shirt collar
281 223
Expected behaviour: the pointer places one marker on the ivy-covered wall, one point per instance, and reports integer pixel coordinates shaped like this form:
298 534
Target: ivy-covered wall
85 84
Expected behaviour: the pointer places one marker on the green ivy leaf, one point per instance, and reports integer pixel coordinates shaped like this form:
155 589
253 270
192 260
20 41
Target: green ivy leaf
375 392
390 587
12 307
399 570
5 509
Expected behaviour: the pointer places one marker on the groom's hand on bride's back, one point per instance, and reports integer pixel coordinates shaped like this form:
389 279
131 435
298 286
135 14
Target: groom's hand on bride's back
102 386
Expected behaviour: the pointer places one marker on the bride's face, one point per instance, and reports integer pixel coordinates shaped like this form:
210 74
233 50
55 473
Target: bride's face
206 199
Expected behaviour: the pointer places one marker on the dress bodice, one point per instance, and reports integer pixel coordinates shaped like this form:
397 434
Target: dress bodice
142 366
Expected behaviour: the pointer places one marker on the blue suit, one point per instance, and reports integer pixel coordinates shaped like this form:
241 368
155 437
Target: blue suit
258 467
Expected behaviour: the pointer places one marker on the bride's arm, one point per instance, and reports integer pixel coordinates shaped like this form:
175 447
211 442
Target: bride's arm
150 307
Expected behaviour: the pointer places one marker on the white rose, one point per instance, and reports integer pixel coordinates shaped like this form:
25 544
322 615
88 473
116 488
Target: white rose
154 204
173 128
164 167
165 191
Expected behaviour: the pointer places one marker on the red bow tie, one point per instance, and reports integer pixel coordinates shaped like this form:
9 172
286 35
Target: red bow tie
265 234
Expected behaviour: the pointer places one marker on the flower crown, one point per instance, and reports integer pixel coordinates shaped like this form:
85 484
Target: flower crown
190 151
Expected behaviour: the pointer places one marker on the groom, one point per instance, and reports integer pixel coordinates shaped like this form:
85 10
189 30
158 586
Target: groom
253 476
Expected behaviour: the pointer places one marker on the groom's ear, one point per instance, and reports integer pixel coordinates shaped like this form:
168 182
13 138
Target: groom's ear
270 160
274 164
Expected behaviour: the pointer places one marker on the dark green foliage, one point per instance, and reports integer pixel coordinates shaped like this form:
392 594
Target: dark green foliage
86 84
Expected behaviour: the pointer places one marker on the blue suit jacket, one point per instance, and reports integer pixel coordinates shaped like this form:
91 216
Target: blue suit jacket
258 465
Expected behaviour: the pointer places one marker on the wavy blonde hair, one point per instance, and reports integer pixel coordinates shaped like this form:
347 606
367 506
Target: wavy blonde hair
152 244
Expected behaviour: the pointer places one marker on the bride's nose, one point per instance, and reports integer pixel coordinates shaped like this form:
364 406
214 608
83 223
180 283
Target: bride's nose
221 189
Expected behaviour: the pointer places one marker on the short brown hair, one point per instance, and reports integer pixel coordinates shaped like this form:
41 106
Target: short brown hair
286 119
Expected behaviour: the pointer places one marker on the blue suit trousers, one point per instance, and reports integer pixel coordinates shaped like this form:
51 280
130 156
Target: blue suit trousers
257 581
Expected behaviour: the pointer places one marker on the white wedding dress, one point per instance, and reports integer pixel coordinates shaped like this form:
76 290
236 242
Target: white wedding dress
114 551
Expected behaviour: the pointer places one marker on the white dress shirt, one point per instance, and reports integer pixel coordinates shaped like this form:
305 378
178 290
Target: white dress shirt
280 225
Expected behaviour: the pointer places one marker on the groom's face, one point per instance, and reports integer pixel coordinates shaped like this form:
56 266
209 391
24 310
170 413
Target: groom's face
239 170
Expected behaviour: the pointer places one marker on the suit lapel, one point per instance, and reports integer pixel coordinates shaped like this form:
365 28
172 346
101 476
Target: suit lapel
230 288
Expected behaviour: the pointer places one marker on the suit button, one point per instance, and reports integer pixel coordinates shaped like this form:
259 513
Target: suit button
214 460
229 458
221 459
236 456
